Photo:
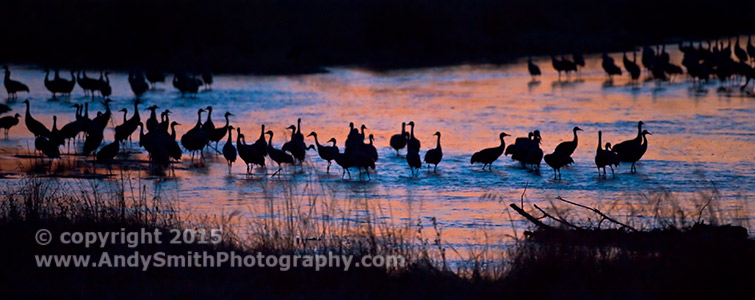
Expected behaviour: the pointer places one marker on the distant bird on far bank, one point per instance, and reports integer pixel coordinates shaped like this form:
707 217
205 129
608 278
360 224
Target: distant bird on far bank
533 69
12 87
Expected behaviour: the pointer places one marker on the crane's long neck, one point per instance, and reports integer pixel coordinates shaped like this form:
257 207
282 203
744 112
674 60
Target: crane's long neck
227 122
575 136
173 131
270 142
298 126
27 109
152 113
600 140
199 117
316 142
412 132
230 132
238 137
136 110
403 128
262 133
209 113
86 110
503 144
439 142
124 116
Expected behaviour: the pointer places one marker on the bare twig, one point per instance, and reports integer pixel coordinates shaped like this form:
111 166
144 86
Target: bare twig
595 210
560 220
521 199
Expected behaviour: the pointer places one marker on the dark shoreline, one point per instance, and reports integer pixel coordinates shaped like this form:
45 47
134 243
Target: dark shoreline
297 37
683 259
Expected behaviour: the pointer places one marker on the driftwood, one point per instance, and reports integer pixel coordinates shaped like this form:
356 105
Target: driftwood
559 219
595 210
530 218
541 225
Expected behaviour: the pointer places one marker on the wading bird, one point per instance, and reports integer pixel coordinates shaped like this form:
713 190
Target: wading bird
489 155
605 157
533 69
277 155
327 153
12 87
632 150
7 122
434 156
229 151
35 127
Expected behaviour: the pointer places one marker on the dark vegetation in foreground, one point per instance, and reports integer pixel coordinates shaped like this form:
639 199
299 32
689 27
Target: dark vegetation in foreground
688 257
294 36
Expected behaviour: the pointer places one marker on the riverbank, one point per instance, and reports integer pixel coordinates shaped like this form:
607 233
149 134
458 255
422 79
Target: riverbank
700 263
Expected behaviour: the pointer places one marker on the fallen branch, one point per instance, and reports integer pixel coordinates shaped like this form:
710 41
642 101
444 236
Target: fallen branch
560 220
530 217
595 210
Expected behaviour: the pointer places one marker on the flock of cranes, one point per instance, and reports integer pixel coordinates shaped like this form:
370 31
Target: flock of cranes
140 82
702 62
160 142
728 62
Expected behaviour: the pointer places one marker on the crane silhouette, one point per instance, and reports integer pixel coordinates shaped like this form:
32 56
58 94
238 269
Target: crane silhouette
229 151
327 153
605 157
35 127
489 155
632 150
12 87
533 69
7 122
398 141
278 156
435 155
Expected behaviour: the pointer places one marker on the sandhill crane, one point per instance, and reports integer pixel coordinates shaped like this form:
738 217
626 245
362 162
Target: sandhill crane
489 155
327 153
533 69
398 141
434 156
12 87
7 122
34 126
229 151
